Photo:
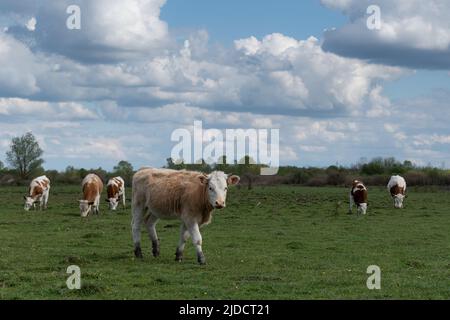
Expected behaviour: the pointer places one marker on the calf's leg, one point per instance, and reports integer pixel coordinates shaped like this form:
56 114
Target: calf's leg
46 194
351 204
97 204
184 236
194 231
151 228
136 222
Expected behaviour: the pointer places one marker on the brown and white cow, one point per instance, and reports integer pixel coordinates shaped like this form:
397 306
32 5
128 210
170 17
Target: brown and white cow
39 191
397 189
92 187
185 195
358 196
115 188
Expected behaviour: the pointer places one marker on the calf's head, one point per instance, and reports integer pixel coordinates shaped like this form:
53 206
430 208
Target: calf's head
85 207
398 200
113 203
29 202
217 186
362 208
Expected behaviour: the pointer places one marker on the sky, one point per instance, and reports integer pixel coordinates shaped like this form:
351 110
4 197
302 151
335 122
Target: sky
138 70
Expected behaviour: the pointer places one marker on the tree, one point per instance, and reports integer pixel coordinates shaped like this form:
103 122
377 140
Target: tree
25 155
2 167
248 169
175 165
170 163
335 176
125 170
408 165
376 166
71 176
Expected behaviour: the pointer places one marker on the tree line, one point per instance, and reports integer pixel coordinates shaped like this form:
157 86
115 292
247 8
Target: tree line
25 162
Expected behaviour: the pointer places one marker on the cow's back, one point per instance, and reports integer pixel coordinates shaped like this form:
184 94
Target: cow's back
114 186
38 186
92 187
44 182
168 192
360 194
397 185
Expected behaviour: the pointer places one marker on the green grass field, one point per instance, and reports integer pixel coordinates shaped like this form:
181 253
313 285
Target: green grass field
270 243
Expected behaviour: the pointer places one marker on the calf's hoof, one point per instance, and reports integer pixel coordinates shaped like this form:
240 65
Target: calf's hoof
155 249
201 259
179 256
138 253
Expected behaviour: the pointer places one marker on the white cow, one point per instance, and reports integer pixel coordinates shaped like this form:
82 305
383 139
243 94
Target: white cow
397 189
39 191
358 196
115 189
92 187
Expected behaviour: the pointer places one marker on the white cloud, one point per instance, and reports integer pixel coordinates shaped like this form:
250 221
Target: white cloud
132 24
16 107
313 149
95 147
299 75
110 30
18 67
31 24
391 128
282 76
143 136
277 74
413 33
380 105
429 140
288 154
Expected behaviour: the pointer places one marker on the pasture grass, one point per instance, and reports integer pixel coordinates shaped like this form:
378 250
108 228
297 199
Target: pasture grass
281 242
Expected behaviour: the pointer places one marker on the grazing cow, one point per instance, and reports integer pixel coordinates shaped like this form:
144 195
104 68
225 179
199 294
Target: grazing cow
39 191
116 192
92 187
358 196
397 188
185 195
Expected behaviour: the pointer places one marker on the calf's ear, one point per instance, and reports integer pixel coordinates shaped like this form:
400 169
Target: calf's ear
203 179
232 179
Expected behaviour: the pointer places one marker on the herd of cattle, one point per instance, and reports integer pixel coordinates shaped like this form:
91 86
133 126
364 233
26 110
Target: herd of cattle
188 196
359 194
